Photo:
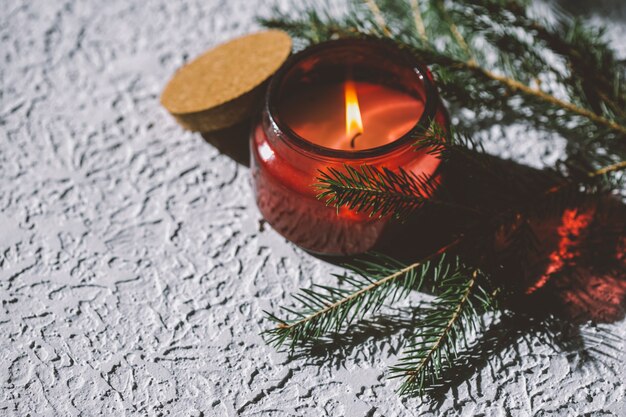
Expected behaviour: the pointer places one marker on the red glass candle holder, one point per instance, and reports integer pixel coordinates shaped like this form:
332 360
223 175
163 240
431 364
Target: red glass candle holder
285 165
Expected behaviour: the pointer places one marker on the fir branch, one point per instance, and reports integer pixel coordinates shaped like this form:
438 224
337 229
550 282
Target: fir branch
595 73
453 316
373 281
376 191
515 85
584 48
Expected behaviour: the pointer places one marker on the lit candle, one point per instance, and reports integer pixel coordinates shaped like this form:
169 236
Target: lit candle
352 115
347 102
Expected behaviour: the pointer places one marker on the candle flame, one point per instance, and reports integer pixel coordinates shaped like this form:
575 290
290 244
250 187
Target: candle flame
354 124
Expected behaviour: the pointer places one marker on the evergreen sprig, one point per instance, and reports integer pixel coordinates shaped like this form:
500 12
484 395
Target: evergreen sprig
446 329
562 76
371 282
377 191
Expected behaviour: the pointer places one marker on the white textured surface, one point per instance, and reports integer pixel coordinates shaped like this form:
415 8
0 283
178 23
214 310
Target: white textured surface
133 273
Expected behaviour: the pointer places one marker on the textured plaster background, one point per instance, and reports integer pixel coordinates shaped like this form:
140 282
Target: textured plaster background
133 272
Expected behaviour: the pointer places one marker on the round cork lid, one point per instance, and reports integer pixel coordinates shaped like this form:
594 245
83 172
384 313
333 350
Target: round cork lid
222 86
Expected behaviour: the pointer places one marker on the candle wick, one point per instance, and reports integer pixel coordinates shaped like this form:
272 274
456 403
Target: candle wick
354 138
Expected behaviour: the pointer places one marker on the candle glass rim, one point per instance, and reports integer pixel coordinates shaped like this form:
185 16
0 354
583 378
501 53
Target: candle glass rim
431 102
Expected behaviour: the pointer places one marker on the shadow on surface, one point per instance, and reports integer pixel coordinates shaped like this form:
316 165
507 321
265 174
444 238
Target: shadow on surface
333 349
232 142
576 276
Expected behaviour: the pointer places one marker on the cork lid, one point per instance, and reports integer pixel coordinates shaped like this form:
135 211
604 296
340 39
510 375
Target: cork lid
222 86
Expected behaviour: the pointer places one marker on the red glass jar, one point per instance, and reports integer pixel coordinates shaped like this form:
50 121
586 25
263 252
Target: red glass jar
285 165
